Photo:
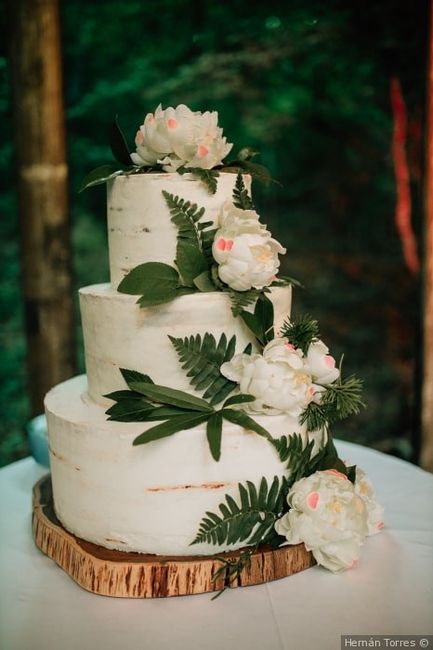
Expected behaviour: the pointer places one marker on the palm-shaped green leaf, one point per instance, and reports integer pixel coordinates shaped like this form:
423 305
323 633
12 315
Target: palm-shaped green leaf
249 520
202 357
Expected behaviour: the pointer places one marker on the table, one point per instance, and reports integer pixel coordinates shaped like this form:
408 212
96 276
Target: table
391 592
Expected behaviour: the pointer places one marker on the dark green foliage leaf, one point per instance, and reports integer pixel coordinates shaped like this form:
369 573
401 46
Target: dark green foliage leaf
190 261
118 144
209 177
239 399
130 410
244 420
133 376
171 397
170 427
241 198
213 432
185 215
99 176
241 299
204 282
291 449
301 331
156 282
251 521
144 301
256 171
203 357
262 320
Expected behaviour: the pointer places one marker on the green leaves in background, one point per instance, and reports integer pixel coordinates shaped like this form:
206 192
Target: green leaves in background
202 357
261 322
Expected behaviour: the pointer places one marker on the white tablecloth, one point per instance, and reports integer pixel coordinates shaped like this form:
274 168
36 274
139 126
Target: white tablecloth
391 592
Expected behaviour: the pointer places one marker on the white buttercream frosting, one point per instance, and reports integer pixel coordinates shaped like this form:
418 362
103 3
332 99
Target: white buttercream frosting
118 334
139 225
149 498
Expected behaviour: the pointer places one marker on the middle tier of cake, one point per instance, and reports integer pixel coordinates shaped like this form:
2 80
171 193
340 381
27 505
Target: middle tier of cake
120 334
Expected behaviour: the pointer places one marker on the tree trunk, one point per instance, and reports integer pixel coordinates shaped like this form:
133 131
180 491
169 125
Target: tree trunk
36 78
427 391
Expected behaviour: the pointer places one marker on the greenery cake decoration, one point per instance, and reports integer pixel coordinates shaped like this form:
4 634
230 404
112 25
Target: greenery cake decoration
317 499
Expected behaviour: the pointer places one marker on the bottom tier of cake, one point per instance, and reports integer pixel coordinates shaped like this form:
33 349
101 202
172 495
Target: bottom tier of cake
149 498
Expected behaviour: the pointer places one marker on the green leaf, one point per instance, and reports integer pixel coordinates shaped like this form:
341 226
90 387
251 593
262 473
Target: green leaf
171 397
241 198
202 357
99 176
190 261
165 413
145 302
285 281
213 433
154 281
244 420
118 144
209 177
239 399
241 299
254 518
261 322
170 427
132 376
132 410
204 283
256 171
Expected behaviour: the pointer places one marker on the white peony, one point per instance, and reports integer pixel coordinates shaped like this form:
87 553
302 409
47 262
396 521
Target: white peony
364 488
277 379
178 136
246 254
321 364
328 516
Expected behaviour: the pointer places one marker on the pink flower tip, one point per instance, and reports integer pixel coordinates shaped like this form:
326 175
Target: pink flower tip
172 123
202 151
313 500
139 138
329 361
380 525
335 472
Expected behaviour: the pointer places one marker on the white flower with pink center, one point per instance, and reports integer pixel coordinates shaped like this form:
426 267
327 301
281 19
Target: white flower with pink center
328 516
177 137
364 488
277 378
321 363
245 251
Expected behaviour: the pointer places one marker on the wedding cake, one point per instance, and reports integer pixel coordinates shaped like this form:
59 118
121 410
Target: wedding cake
203 423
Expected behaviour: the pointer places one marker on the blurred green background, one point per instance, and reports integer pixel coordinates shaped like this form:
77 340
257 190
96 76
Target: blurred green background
307 84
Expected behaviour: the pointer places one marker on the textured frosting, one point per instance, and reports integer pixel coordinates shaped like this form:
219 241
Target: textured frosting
149 498
139 225
119 334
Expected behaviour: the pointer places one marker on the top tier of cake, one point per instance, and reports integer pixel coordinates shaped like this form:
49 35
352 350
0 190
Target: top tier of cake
139 225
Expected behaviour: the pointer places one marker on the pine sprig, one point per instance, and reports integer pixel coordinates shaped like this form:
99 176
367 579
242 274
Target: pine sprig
252 521
241 198
202 357
338 401
301 331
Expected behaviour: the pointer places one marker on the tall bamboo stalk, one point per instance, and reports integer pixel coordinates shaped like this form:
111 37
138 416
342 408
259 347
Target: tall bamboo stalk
36 77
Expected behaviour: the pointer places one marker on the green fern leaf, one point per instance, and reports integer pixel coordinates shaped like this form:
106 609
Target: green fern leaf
242 299
202 357
209 177
251 521
241 198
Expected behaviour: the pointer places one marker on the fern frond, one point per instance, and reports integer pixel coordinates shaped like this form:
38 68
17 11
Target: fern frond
291 449
184 215
242 299
202 357
252 521
209 177
241 198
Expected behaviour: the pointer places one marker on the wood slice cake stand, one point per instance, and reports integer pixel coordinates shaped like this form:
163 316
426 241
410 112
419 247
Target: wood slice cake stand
135 575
